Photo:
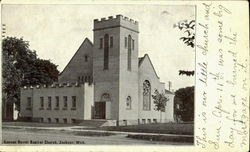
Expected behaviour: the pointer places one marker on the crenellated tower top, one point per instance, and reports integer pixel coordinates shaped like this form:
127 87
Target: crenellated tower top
58 85
117 21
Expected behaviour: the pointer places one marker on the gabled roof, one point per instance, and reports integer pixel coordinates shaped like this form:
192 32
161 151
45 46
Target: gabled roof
168 92
86 40
141 59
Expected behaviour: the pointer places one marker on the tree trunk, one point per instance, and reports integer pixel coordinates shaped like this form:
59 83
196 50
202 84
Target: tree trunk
160 116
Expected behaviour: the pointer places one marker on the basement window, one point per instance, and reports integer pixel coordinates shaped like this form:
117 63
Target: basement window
125 123
73 120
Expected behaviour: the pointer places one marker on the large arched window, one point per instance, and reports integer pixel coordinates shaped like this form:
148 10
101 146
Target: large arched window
129 52
128 102
106 52
146 95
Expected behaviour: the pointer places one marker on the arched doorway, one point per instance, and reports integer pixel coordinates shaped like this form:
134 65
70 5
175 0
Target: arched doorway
102 107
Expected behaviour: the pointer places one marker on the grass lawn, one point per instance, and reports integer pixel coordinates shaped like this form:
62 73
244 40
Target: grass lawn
163 138
164 128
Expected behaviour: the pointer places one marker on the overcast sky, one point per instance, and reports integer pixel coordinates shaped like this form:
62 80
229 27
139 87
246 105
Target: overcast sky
57 31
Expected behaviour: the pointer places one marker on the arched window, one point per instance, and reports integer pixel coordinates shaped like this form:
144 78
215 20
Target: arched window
106 52
146 95
128 102
133 44
129 52
125 42
111 41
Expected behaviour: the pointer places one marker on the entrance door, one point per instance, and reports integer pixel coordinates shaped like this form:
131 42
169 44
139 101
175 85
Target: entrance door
100 110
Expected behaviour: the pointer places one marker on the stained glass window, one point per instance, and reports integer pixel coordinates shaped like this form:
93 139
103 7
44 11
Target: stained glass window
146 95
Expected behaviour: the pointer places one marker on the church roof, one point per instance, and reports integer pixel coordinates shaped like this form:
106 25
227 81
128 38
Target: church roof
141 59
168 92
86 40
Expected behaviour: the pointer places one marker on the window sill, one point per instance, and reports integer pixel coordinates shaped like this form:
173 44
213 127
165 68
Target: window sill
41 108
64 108
56 109
48 108
73 109
28 108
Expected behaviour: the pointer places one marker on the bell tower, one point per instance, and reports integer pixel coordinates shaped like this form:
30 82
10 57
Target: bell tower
115 68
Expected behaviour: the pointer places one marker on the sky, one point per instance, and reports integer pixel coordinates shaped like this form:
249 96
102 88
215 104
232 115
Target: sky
57 31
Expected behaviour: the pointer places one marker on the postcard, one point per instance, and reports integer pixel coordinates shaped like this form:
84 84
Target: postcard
125 76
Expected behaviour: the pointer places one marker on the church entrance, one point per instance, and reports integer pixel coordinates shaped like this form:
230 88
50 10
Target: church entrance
100 110
103 107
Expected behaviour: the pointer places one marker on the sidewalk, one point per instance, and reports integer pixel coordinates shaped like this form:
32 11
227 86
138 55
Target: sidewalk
86 129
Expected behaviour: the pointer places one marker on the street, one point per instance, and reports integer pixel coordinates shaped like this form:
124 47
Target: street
24 136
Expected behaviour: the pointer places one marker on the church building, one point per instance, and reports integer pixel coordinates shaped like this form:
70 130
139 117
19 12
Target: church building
104 80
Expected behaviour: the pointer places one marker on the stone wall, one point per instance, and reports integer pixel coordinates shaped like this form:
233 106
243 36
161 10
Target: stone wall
68 114
128 79
114 80
106 81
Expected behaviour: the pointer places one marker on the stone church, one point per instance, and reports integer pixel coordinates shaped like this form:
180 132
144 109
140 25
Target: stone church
104 80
